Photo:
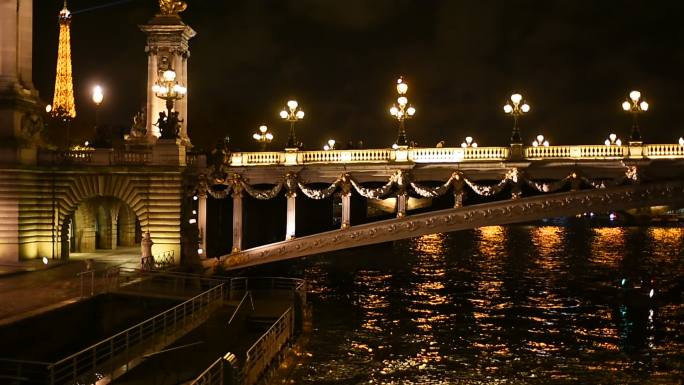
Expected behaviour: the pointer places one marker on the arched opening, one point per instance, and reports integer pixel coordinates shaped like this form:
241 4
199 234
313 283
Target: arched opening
100 223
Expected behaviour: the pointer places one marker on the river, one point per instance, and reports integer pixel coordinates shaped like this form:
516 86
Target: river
532 304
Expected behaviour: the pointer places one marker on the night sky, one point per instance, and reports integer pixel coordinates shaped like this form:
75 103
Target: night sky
574 61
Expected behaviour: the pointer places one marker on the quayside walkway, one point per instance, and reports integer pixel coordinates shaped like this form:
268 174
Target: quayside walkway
27 288
227 316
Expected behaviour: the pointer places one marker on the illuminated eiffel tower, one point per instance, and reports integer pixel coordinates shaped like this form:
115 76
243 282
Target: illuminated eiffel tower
63 105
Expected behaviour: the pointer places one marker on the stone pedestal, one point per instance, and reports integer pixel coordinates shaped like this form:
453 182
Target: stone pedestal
636 149
516 151
167 48
168 152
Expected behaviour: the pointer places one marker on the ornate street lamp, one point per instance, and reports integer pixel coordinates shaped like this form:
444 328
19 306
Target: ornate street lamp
292 114
263 137
168 89
613 140
330 145
518 108
98 97
402 111
681 141
540 141
635 106
469 142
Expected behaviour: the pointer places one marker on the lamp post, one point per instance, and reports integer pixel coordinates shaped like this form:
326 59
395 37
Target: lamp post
613 140
402 111
540 141
168 89
98 97
517 109
263 137
469 142
292 114
330 145
681 141
635 106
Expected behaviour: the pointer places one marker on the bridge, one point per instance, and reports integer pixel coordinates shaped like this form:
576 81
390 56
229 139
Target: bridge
484 186
153 190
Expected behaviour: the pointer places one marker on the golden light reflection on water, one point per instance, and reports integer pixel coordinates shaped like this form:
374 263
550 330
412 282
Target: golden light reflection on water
454 313
490 240
547 240
373 288
665 241
607 246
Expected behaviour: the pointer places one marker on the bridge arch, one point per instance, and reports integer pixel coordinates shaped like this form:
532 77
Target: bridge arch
100 211
461 218
100 222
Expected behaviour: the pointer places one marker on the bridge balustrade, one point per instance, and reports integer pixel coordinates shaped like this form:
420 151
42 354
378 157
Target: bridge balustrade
656 151
130 157
456 154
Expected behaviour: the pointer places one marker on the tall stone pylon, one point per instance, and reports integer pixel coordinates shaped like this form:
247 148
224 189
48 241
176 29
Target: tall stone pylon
63 100
21 119
167 48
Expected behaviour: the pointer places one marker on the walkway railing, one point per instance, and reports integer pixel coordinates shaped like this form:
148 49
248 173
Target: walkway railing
260 356
118 354
456 154
240 285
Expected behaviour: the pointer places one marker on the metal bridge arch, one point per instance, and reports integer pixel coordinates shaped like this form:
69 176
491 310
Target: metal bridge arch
494 213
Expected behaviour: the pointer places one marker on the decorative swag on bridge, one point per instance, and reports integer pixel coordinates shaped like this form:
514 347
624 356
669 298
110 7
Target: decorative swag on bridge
400 184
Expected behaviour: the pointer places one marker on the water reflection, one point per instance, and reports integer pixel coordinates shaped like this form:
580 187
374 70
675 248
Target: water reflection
501 305
608 246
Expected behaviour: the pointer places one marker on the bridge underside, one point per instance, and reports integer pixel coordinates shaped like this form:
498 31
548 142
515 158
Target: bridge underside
494 213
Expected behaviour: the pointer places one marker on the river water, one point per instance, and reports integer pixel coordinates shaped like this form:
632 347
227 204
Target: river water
563 303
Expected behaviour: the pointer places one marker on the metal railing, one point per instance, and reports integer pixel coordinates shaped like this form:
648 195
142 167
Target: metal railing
239 306
217 373
262 353
161 261
116 355
239 285
23 372
213 375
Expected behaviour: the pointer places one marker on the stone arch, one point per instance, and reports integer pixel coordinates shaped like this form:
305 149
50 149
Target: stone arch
154 199
96 223
80 190
133 191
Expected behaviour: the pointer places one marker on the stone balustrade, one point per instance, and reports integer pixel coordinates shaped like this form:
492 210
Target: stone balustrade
110 157
456 154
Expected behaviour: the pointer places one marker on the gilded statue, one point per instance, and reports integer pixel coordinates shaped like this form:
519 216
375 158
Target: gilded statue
172 7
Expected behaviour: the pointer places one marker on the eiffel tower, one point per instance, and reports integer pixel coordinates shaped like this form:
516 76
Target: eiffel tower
63 105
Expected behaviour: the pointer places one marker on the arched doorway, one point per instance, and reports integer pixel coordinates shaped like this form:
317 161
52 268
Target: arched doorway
100 223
